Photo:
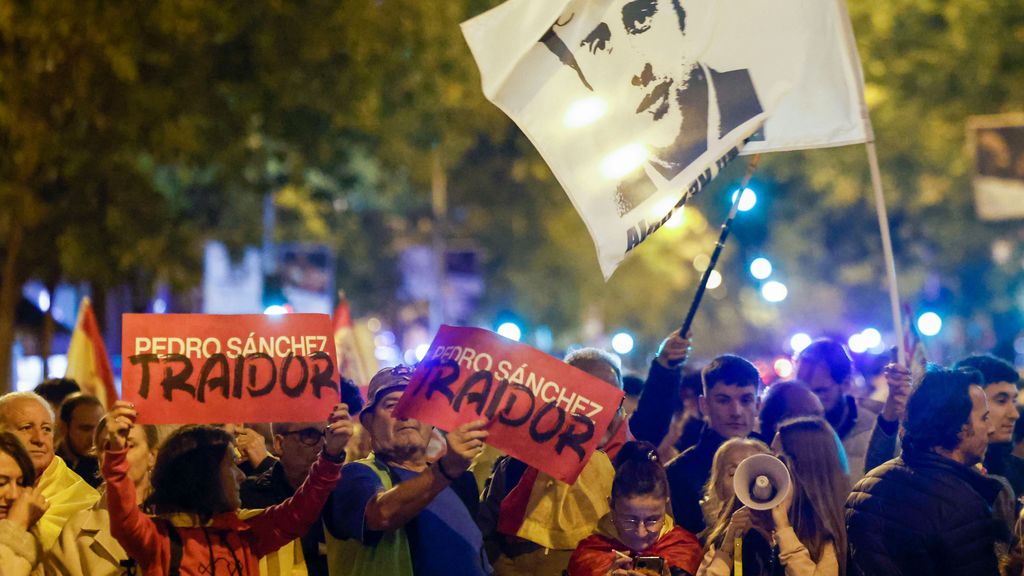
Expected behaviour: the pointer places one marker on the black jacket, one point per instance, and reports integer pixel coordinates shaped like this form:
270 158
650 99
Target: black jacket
687 475
922 513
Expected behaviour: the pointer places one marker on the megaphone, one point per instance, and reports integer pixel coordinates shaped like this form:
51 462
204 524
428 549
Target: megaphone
761 482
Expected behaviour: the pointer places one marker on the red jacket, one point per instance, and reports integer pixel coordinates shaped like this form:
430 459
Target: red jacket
233 546
595 554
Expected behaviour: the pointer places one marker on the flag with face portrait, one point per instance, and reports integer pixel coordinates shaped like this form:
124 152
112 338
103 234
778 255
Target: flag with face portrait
637 104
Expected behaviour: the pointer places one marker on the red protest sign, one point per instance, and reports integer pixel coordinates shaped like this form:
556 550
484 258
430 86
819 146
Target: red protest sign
542 411
205 368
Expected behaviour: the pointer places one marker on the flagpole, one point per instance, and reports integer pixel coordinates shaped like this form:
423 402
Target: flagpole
890 260
726 226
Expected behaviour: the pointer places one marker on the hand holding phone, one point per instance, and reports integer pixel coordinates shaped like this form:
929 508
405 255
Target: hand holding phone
649 565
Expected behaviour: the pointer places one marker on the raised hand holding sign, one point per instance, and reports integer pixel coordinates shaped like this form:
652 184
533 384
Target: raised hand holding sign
204 368
538 409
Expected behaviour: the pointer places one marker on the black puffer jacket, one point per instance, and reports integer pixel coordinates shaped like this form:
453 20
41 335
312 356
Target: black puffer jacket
922 513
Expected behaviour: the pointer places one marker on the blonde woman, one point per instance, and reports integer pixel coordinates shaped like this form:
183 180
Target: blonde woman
805 534
719 490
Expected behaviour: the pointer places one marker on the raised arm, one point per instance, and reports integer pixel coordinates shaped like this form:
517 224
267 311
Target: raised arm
660 395
291 519
394 508
136 531
884 441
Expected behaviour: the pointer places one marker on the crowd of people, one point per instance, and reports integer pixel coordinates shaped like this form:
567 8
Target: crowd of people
925 482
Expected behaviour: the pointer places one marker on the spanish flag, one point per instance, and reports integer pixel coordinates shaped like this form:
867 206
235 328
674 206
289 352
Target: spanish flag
88 363
355 347
556 515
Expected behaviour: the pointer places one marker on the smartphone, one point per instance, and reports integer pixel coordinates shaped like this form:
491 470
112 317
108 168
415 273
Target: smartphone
649 564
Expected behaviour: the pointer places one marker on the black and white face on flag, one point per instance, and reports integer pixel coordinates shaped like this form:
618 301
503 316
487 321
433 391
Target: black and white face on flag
671 100
636 104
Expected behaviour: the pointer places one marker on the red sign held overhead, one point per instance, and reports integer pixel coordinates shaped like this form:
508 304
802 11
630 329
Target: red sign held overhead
542 411
205 368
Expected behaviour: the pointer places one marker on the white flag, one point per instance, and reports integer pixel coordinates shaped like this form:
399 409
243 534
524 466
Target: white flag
635 105
826 107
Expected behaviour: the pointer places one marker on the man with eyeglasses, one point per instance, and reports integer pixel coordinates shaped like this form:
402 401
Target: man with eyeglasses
297 445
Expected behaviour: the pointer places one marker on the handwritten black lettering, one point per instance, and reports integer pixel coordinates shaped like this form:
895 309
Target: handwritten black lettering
223 381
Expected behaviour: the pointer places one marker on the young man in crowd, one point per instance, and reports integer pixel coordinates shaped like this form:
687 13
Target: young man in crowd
730 405
930 511
30 417
1001 387
79 416
869 438
55 390
396 512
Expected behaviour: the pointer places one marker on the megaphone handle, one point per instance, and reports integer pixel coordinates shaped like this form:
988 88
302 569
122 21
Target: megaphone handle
737 556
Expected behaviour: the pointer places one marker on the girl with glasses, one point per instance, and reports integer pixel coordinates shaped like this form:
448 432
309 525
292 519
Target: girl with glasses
638 536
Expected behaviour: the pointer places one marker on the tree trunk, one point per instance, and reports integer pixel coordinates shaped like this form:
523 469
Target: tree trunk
46 342
10 286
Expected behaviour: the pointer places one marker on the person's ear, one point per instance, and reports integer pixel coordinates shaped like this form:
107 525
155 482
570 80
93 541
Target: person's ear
966 431
278 441
702 402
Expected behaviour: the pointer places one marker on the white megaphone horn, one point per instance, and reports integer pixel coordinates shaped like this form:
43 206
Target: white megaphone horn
761 482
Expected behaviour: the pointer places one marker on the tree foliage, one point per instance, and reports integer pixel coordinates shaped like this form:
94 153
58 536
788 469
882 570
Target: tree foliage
132 132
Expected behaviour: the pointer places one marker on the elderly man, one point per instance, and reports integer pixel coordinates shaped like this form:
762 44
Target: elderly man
298 445
396 512
30 417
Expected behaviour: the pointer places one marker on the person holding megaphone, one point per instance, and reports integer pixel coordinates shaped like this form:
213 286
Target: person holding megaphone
786 517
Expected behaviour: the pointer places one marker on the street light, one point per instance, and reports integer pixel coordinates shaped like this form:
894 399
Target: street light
510 330
871 338
799 341
761 268
783 367
774 291
714 280
747 201
421 351
929 323
857 344
622 343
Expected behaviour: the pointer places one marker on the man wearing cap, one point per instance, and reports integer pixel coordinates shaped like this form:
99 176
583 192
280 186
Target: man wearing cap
396 512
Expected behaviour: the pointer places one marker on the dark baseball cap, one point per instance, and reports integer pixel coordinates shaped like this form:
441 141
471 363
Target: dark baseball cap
384 382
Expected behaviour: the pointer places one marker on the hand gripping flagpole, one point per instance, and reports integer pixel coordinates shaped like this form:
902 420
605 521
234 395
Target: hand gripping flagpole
726 226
